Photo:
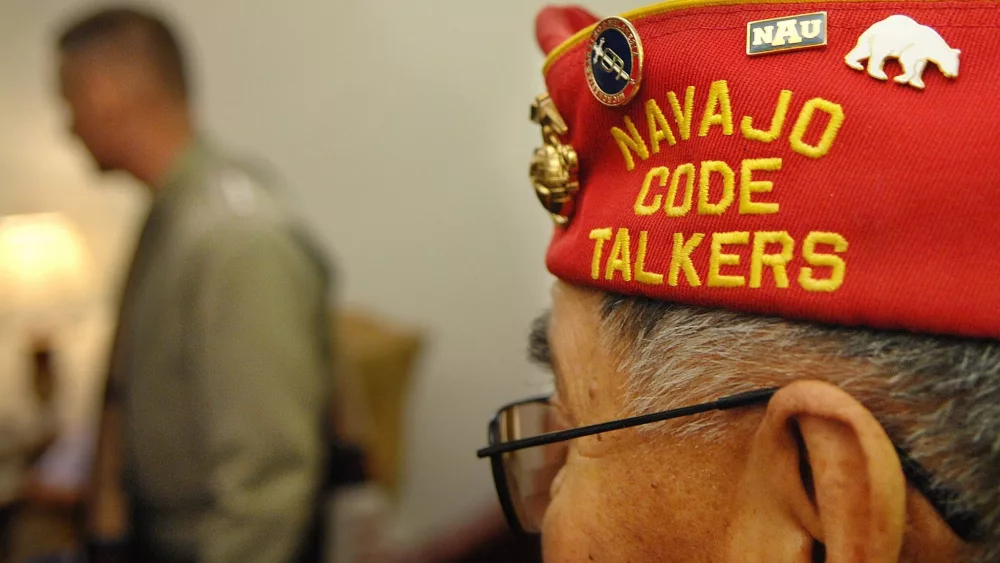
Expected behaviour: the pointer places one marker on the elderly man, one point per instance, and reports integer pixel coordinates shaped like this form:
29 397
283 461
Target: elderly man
212 441
774 334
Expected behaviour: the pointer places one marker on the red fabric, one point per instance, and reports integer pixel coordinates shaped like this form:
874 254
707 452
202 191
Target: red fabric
556 24
912 180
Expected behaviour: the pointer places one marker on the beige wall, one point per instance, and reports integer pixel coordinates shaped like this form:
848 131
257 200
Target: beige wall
401 128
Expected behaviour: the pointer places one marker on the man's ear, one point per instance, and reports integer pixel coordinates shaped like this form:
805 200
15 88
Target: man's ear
822 483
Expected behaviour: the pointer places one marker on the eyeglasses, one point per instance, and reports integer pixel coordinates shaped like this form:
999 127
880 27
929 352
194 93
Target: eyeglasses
527 449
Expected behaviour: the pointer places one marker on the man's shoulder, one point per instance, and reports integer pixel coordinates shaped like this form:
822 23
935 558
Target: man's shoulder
239 209
240 192
226 196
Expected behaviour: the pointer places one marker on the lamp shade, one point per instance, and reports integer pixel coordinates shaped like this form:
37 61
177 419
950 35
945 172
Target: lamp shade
44 264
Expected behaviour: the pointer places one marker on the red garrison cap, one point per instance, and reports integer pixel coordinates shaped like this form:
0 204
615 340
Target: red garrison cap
831 161
554 25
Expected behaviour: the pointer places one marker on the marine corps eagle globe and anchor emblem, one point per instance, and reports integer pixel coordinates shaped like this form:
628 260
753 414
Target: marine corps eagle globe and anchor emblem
554 165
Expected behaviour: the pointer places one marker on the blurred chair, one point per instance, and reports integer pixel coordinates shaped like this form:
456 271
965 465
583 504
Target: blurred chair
376 360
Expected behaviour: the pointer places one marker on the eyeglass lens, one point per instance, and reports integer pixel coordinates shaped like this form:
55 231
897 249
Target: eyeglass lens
529 472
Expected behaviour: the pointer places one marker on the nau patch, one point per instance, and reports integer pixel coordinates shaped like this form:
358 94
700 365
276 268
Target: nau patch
614 62
786 33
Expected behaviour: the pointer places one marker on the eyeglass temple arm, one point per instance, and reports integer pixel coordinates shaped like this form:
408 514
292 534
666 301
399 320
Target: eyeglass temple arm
965 523
731 402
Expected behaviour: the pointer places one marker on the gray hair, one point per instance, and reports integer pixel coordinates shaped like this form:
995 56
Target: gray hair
937 397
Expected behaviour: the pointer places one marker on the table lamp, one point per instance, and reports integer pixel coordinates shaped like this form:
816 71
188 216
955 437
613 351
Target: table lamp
45 270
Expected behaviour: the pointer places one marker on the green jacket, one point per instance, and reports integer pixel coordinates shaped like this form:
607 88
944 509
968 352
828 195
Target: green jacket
222 367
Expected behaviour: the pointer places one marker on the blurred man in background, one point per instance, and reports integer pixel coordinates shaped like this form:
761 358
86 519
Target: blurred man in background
212 438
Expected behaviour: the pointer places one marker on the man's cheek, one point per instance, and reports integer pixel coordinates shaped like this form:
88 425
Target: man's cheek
564 536
574 522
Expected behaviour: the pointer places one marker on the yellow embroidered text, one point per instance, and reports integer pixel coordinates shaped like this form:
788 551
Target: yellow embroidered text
809 135
728 260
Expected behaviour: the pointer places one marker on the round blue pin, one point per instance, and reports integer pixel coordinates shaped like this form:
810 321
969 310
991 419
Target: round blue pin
614 61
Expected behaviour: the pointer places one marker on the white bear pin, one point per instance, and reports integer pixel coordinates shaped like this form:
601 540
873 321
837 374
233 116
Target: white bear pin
912 44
